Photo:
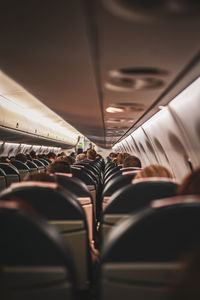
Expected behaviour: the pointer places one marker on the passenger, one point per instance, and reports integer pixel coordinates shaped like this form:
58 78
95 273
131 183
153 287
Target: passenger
63 154
59 166
66 158
191 184
132 161
51 156
81 157
28 157
73 156
154 171
121 157
4 159
33 155
44 177
21 157
90 147
112 156
91 155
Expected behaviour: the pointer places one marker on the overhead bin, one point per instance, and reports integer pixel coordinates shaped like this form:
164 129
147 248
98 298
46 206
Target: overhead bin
27 120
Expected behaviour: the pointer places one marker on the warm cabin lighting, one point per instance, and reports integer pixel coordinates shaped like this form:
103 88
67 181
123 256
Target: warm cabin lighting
32 113
114 110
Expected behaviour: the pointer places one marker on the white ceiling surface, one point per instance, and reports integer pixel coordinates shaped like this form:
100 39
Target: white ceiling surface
47 48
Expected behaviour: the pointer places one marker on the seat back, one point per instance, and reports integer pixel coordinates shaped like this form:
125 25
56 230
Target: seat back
120 172
116 183
22 168
133 197
142 253
44 161
3 182
32 166
83 195
36 263
40 165
63 210
82 175
12 174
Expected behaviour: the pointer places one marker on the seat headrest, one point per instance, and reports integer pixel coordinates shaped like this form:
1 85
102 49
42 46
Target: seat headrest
155 234
47 198
138 195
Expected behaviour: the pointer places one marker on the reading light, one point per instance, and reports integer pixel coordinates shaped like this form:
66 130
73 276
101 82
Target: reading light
114 110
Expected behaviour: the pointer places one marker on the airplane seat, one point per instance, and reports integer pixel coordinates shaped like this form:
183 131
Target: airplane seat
141 255
12 174
135 196
84 196
87 179
116 183
35 261
90 171
32 166
120 172
41 166
109 165
3 182
62 209
110 172
21 167
44 161
82 175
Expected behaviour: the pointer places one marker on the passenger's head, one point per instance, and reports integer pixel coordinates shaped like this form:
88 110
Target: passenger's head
67 159
51 156
154 171
33 154
81 157
72 154
91 154
44 177
59 166
121 157
21 157
112 155
191 184
132 161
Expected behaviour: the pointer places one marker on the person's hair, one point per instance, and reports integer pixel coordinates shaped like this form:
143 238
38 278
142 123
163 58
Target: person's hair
154 171
21 157
51 155
72 154
81 157
33 154
44 177
60 166
121 157
67 159
112 155
91 154
191 184
132 161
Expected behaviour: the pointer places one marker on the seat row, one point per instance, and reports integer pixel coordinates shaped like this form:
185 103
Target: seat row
138 259
17 170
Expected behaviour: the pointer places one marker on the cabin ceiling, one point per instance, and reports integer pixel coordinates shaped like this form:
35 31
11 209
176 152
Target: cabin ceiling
81 57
